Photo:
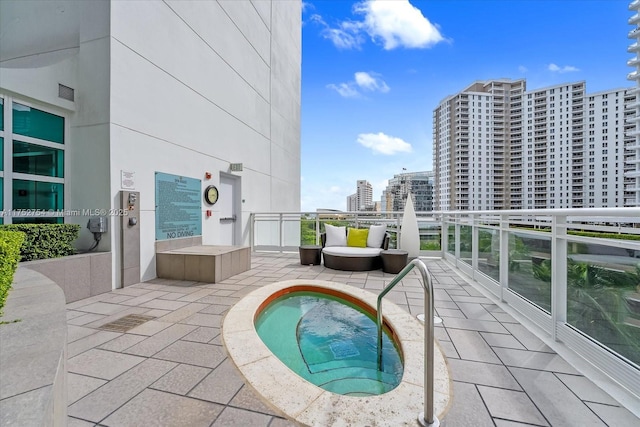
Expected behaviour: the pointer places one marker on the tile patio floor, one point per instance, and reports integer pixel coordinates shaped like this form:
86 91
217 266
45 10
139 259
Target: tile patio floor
174 371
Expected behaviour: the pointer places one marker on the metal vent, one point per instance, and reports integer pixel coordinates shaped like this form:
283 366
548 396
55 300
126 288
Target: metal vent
65 92
125 323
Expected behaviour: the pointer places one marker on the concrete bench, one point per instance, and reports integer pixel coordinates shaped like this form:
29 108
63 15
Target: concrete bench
203 263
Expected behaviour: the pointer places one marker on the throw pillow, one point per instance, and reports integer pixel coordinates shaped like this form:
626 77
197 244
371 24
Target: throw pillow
357 237
336 236
376 236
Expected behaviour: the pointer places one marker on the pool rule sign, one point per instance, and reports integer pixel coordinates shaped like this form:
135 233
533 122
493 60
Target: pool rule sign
178 207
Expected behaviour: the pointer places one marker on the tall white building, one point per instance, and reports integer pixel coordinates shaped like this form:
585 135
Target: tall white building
474 133
160 98
352 202
632 145
364 195
499 146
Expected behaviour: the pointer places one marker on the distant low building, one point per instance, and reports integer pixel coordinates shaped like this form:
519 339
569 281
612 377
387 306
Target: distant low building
418 184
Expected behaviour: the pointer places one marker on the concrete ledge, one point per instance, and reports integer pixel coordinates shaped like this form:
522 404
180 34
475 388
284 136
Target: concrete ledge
33 389
80 276
203 263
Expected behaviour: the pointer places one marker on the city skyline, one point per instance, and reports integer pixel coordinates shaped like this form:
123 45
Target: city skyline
369 114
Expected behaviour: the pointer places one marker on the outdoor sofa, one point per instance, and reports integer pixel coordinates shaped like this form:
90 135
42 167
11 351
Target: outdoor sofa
354 249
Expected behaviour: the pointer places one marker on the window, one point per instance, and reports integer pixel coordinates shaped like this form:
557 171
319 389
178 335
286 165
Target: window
35 172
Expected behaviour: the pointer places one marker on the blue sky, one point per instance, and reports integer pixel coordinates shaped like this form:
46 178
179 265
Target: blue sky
373 72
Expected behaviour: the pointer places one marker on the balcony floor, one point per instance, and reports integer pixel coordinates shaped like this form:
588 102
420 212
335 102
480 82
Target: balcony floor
174 370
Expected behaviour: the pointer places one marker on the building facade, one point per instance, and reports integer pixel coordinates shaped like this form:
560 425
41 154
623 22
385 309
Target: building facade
109 96
500 146
632 144
418 184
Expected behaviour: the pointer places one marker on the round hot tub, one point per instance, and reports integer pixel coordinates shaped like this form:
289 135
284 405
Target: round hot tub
304 402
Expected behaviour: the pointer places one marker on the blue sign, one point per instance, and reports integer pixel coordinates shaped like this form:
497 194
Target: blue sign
178 207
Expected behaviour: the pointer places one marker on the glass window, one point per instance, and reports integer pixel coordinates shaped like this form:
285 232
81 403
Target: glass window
37 124
1 113
1 156
37 160
37 195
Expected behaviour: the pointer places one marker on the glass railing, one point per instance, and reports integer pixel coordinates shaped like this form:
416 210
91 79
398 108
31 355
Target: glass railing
575 273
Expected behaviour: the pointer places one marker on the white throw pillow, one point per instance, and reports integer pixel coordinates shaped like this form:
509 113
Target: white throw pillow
336 236
376 236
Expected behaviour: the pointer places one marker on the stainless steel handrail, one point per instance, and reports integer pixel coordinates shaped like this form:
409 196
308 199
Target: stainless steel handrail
430 419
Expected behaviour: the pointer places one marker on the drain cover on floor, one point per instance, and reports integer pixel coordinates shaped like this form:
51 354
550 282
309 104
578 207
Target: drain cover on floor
125 323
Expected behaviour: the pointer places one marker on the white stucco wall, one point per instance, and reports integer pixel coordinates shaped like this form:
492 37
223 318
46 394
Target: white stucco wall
222 86
180 87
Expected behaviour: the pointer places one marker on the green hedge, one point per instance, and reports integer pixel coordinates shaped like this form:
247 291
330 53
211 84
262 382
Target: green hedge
43 241
10 243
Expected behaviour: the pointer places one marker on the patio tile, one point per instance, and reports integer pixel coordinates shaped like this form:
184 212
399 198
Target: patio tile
102 364
199 294
534 360
558 404
75 422
471 346
449 349
473 325
146 297
221 385
75 333
181 379
172 296
246 398
586 390
281 422
157 342
527 338
193 353
78 386
502 340
200 319
232 417
614 415
505 423
475 311
149 328
215 309
467 408
122 342
157 408
202 334
469 299
163 304
102 308
482 373
183 313
447 312
90 341
511 405
72 314
102 402
85 319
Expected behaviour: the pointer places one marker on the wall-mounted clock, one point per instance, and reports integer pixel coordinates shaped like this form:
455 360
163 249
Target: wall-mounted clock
211 194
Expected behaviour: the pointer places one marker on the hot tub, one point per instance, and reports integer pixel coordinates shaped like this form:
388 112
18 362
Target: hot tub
308 404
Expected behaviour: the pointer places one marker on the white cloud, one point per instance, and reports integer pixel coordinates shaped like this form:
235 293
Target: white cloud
346 90
343 37
398 24
384 144
565 69
522 69
393 23
369 82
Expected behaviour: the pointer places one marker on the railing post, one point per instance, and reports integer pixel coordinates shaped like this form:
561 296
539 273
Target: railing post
504 255
281 234
252 224
558 272
317 229
426 418
474 245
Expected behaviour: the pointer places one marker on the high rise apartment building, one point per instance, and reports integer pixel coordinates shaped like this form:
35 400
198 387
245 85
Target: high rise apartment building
362 199
418 184
632 144
499 146
473 132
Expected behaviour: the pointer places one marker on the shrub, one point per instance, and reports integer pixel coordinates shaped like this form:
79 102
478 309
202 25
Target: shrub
10 243
43 241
